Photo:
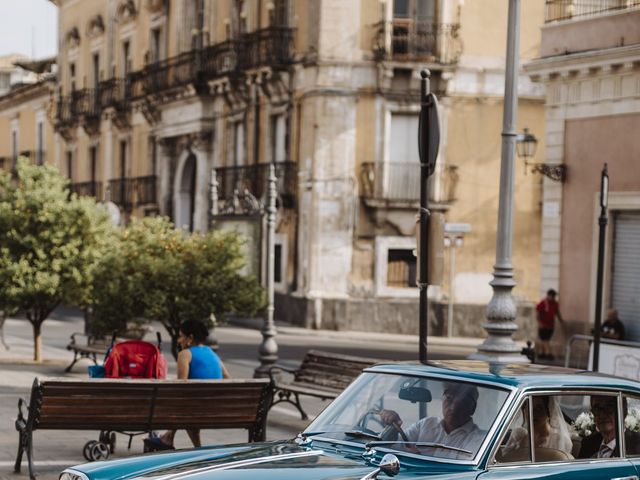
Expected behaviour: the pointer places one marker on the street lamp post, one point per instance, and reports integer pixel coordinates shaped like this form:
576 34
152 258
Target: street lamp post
428 144
269 348
501 311
603 220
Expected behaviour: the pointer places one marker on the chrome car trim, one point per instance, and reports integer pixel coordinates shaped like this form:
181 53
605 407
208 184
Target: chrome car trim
237 464
401 371
75 473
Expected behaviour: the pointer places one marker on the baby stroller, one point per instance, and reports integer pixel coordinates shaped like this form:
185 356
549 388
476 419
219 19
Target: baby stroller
127 359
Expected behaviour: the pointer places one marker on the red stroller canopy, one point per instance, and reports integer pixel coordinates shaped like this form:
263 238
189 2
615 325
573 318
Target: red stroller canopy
135 359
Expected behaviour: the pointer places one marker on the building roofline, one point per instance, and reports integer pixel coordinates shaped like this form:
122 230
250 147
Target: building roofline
27 92
591 58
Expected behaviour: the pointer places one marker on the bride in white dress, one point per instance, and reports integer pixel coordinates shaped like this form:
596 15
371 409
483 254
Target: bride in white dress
549 427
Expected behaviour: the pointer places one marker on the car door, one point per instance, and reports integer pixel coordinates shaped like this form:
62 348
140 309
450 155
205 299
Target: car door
513 458
631 410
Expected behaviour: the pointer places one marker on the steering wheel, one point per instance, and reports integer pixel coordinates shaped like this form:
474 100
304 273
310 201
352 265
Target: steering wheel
363 423
389 429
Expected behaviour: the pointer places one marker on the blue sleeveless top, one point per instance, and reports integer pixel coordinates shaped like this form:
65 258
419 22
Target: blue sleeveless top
205 364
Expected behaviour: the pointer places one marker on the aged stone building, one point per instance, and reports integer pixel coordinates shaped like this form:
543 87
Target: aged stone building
589 62
155 95
26 110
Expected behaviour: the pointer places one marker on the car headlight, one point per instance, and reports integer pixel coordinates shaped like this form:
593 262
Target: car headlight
72 475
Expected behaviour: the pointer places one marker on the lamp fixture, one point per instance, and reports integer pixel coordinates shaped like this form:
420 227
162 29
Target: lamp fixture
526 144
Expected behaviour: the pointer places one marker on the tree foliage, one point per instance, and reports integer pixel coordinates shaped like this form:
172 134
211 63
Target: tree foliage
50 244
157 272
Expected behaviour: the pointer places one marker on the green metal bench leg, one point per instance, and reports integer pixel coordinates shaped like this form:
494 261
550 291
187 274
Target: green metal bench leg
285 396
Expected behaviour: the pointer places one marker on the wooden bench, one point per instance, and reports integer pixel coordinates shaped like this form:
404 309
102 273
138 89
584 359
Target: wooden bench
123 405
92 347
86 346
322 374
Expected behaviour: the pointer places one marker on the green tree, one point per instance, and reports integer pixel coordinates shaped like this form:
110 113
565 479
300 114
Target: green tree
161 273
50 244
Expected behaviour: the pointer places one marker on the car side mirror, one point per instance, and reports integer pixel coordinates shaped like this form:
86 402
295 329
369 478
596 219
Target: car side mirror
415 394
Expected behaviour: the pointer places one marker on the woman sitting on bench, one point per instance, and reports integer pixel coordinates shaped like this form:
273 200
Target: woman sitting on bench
195 361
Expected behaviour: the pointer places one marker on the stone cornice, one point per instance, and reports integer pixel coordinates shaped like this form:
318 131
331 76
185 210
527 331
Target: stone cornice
582 62
26 93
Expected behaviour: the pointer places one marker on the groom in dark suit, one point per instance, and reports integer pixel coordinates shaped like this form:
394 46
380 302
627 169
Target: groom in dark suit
603 443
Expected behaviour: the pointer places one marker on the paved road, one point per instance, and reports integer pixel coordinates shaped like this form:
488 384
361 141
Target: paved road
55 450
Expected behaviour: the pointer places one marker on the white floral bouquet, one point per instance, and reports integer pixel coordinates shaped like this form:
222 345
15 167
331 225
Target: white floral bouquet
632 420
584 424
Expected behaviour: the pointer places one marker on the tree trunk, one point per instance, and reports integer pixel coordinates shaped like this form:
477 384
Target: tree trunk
174 333
37 341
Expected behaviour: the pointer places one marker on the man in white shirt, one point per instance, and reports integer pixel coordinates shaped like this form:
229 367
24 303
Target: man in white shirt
456 429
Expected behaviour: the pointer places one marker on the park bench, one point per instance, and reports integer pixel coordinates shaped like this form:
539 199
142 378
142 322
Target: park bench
94 346
322 375
124 405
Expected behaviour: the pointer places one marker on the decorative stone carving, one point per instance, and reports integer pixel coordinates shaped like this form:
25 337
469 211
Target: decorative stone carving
156 6
202 141
95 28
72 38
126 11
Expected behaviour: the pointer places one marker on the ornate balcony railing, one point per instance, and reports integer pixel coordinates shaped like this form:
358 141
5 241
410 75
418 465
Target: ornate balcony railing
37 157
66 110
398 181
254 179
133 191
87 189
173 72
556 10
268 46
412 40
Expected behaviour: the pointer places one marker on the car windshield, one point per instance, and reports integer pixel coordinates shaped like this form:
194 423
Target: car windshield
426 416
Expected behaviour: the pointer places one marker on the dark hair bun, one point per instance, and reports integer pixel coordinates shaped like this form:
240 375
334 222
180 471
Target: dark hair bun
197 329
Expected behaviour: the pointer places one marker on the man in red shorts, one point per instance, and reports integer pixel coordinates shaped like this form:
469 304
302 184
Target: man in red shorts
547 311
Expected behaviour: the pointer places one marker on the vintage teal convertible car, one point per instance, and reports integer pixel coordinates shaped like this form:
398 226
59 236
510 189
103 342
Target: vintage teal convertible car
461 419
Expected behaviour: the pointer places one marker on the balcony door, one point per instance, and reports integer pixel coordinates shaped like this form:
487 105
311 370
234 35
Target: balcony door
401 175
414 28
186 195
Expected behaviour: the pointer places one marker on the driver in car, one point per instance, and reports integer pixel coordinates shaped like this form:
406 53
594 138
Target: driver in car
455 429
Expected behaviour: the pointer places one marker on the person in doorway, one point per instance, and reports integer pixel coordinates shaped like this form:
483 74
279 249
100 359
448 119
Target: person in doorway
195 361
547 310
612 328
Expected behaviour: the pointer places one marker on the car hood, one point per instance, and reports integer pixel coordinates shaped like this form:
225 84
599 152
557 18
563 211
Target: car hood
283 460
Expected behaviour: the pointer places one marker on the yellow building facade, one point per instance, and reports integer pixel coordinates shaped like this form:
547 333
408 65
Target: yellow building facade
25 126
177 107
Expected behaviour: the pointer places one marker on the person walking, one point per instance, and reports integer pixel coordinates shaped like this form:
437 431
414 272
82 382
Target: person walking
547 310
195 361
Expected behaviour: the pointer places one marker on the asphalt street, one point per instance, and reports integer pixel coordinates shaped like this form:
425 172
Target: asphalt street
238 347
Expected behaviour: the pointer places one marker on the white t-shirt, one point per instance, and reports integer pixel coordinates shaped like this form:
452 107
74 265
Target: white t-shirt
467 436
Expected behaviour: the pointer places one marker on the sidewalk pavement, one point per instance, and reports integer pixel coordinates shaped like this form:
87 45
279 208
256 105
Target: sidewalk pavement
55 450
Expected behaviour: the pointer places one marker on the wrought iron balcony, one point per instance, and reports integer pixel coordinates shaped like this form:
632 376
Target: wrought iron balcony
9 162
37 157
556 10
131 192
87 189
269 46
254 179
415 41
173 72
400 182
